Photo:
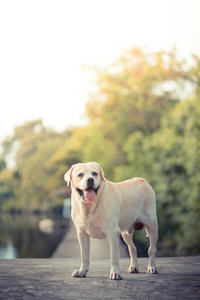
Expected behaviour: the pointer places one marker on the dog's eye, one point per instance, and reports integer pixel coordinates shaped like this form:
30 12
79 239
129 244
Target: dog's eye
80 175
94 173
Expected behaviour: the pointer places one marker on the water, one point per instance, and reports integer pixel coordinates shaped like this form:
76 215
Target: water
24 236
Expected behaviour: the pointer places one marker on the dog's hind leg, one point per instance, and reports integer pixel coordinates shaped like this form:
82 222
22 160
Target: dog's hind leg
127 237
152 230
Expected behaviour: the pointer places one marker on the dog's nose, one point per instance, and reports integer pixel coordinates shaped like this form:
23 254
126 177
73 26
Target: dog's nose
90 182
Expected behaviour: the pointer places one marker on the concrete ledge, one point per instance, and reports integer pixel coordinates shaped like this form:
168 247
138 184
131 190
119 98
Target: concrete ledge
178 278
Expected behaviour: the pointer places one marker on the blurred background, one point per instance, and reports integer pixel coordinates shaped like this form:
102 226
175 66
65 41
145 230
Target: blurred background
117 82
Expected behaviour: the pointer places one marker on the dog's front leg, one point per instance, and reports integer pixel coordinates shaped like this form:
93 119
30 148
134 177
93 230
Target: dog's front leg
84 242
113 240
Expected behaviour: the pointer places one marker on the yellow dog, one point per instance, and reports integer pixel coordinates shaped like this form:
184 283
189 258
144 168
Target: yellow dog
103 209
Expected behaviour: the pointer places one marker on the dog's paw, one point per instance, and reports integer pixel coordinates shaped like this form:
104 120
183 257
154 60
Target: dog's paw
152 270
78 273
133 269
115 276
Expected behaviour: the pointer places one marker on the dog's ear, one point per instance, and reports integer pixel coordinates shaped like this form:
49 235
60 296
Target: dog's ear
68 175
101 171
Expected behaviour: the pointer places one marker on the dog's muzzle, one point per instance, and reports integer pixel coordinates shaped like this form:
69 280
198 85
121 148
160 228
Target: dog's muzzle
89 194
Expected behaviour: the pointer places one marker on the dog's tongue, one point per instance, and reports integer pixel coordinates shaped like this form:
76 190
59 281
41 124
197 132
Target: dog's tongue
90 194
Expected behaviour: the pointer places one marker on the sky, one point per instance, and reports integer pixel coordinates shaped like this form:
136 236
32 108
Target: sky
44 45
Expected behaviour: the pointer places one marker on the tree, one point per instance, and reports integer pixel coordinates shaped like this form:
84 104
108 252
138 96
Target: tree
132 95
169 160
33 146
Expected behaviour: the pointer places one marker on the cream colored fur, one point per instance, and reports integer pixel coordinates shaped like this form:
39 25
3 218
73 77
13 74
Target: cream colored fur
117 209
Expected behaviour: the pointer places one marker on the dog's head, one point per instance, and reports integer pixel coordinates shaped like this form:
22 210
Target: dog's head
86 179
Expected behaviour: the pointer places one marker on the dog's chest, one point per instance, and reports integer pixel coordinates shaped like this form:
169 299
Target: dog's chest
93 225
95 232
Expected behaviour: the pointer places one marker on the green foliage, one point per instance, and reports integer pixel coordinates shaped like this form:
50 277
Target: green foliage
129 95
7 183
140 125
169 160
36 177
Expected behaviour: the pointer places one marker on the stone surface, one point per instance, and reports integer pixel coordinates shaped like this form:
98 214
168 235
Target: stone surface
178 278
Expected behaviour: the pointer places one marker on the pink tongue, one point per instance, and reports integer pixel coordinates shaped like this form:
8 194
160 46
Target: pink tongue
89 195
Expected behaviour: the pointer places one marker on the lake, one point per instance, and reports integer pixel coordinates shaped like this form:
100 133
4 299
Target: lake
30 236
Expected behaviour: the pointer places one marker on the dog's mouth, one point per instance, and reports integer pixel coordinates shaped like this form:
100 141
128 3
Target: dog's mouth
89 194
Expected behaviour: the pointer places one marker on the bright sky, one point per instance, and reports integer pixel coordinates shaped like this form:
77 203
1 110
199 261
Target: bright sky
43 44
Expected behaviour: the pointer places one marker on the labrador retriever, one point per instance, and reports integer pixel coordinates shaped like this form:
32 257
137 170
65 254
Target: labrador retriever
103 209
